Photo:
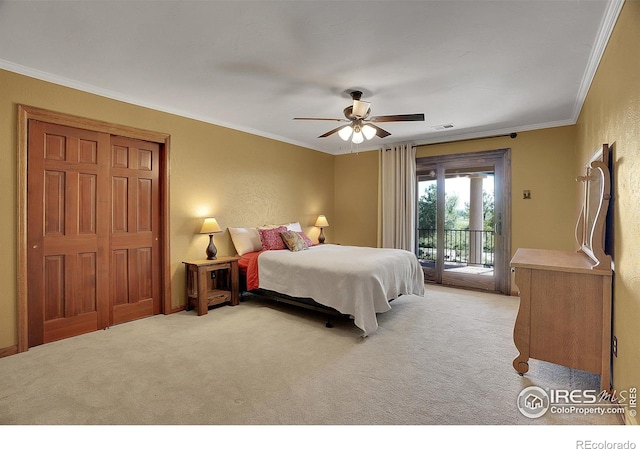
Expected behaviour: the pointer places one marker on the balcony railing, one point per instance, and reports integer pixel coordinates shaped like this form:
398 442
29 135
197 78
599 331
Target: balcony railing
460 246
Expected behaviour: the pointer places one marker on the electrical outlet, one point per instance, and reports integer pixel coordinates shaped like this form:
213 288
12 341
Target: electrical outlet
526 194
614 345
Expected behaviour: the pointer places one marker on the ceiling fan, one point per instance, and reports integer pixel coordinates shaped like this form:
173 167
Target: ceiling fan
360 124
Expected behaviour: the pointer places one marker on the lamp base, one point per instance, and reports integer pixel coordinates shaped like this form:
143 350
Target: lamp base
321 236
211 249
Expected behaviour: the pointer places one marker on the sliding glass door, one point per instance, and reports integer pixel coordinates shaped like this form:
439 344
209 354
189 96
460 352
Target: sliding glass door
462 239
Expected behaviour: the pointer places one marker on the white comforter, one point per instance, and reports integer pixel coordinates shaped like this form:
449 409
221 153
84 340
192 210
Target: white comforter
354 280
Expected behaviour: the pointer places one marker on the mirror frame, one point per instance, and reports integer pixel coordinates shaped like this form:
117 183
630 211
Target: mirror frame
590 229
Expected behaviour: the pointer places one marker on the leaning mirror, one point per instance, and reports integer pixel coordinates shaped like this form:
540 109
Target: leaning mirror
590 230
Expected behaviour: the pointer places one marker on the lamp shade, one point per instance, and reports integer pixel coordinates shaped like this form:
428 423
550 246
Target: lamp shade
322 222
210 226
368 131
345 133
360 108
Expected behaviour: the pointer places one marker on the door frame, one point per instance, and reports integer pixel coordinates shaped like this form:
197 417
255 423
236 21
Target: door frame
502 271
26 113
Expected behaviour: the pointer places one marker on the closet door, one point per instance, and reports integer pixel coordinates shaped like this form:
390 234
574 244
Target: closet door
93 227
67 232
135 222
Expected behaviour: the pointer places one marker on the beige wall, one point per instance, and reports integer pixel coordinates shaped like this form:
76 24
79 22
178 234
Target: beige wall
611 114
356 202
241 179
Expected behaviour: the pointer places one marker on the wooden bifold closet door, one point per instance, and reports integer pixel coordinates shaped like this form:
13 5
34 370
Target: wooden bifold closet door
135 220
92 231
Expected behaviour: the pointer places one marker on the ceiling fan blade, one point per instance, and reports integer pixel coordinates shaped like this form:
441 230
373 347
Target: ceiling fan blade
333 131
320 118
398 118
379 131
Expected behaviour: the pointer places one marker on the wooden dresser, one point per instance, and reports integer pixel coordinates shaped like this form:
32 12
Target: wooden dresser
565 296
565 311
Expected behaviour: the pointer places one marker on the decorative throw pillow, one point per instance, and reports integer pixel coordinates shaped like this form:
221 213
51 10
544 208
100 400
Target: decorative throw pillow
270 238
306 239
246 240
293 240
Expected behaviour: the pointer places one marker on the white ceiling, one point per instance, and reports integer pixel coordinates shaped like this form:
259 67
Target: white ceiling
487 67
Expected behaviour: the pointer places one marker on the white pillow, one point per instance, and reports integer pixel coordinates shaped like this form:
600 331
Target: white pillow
246 240
295 226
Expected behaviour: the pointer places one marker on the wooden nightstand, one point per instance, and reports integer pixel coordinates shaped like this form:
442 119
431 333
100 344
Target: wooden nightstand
211 282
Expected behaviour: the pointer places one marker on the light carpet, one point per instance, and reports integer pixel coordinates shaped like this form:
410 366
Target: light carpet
444 358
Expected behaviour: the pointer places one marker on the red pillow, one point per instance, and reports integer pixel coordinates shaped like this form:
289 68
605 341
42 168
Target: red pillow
271 239
306 239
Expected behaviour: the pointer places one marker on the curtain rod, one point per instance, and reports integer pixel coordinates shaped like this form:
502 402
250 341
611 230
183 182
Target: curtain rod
512 135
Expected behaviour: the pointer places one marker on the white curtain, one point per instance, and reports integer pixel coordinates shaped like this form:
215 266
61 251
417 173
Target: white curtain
398 196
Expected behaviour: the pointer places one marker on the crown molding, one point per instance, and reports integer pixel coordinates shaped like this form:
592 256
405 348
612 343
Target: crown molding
606 28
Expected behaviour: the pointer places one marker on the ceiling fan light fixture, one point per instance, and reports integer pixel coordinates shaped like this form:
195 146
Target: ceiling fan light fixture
368 131
357 137
345 133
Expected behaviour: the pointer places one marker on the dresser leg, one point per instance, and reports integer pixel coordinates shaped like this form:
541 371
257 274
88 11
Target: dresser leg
521 365
521 329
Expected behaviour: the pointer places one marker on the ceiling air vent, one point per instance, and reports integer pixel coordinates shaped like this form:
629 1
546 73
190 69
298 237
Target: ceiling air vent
442 127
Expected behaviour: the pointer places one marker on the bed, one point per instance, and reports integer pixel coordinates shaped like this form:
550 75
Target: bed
351 280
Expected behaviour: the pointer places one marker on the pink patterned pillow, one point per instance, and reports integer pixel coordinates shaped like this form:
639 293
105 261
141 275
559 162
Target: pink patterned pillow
271 239
306 239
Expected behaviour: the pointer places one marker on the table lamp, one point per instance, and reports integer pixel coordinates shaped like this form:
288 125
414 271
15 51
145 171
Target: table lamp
210 226
321 222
